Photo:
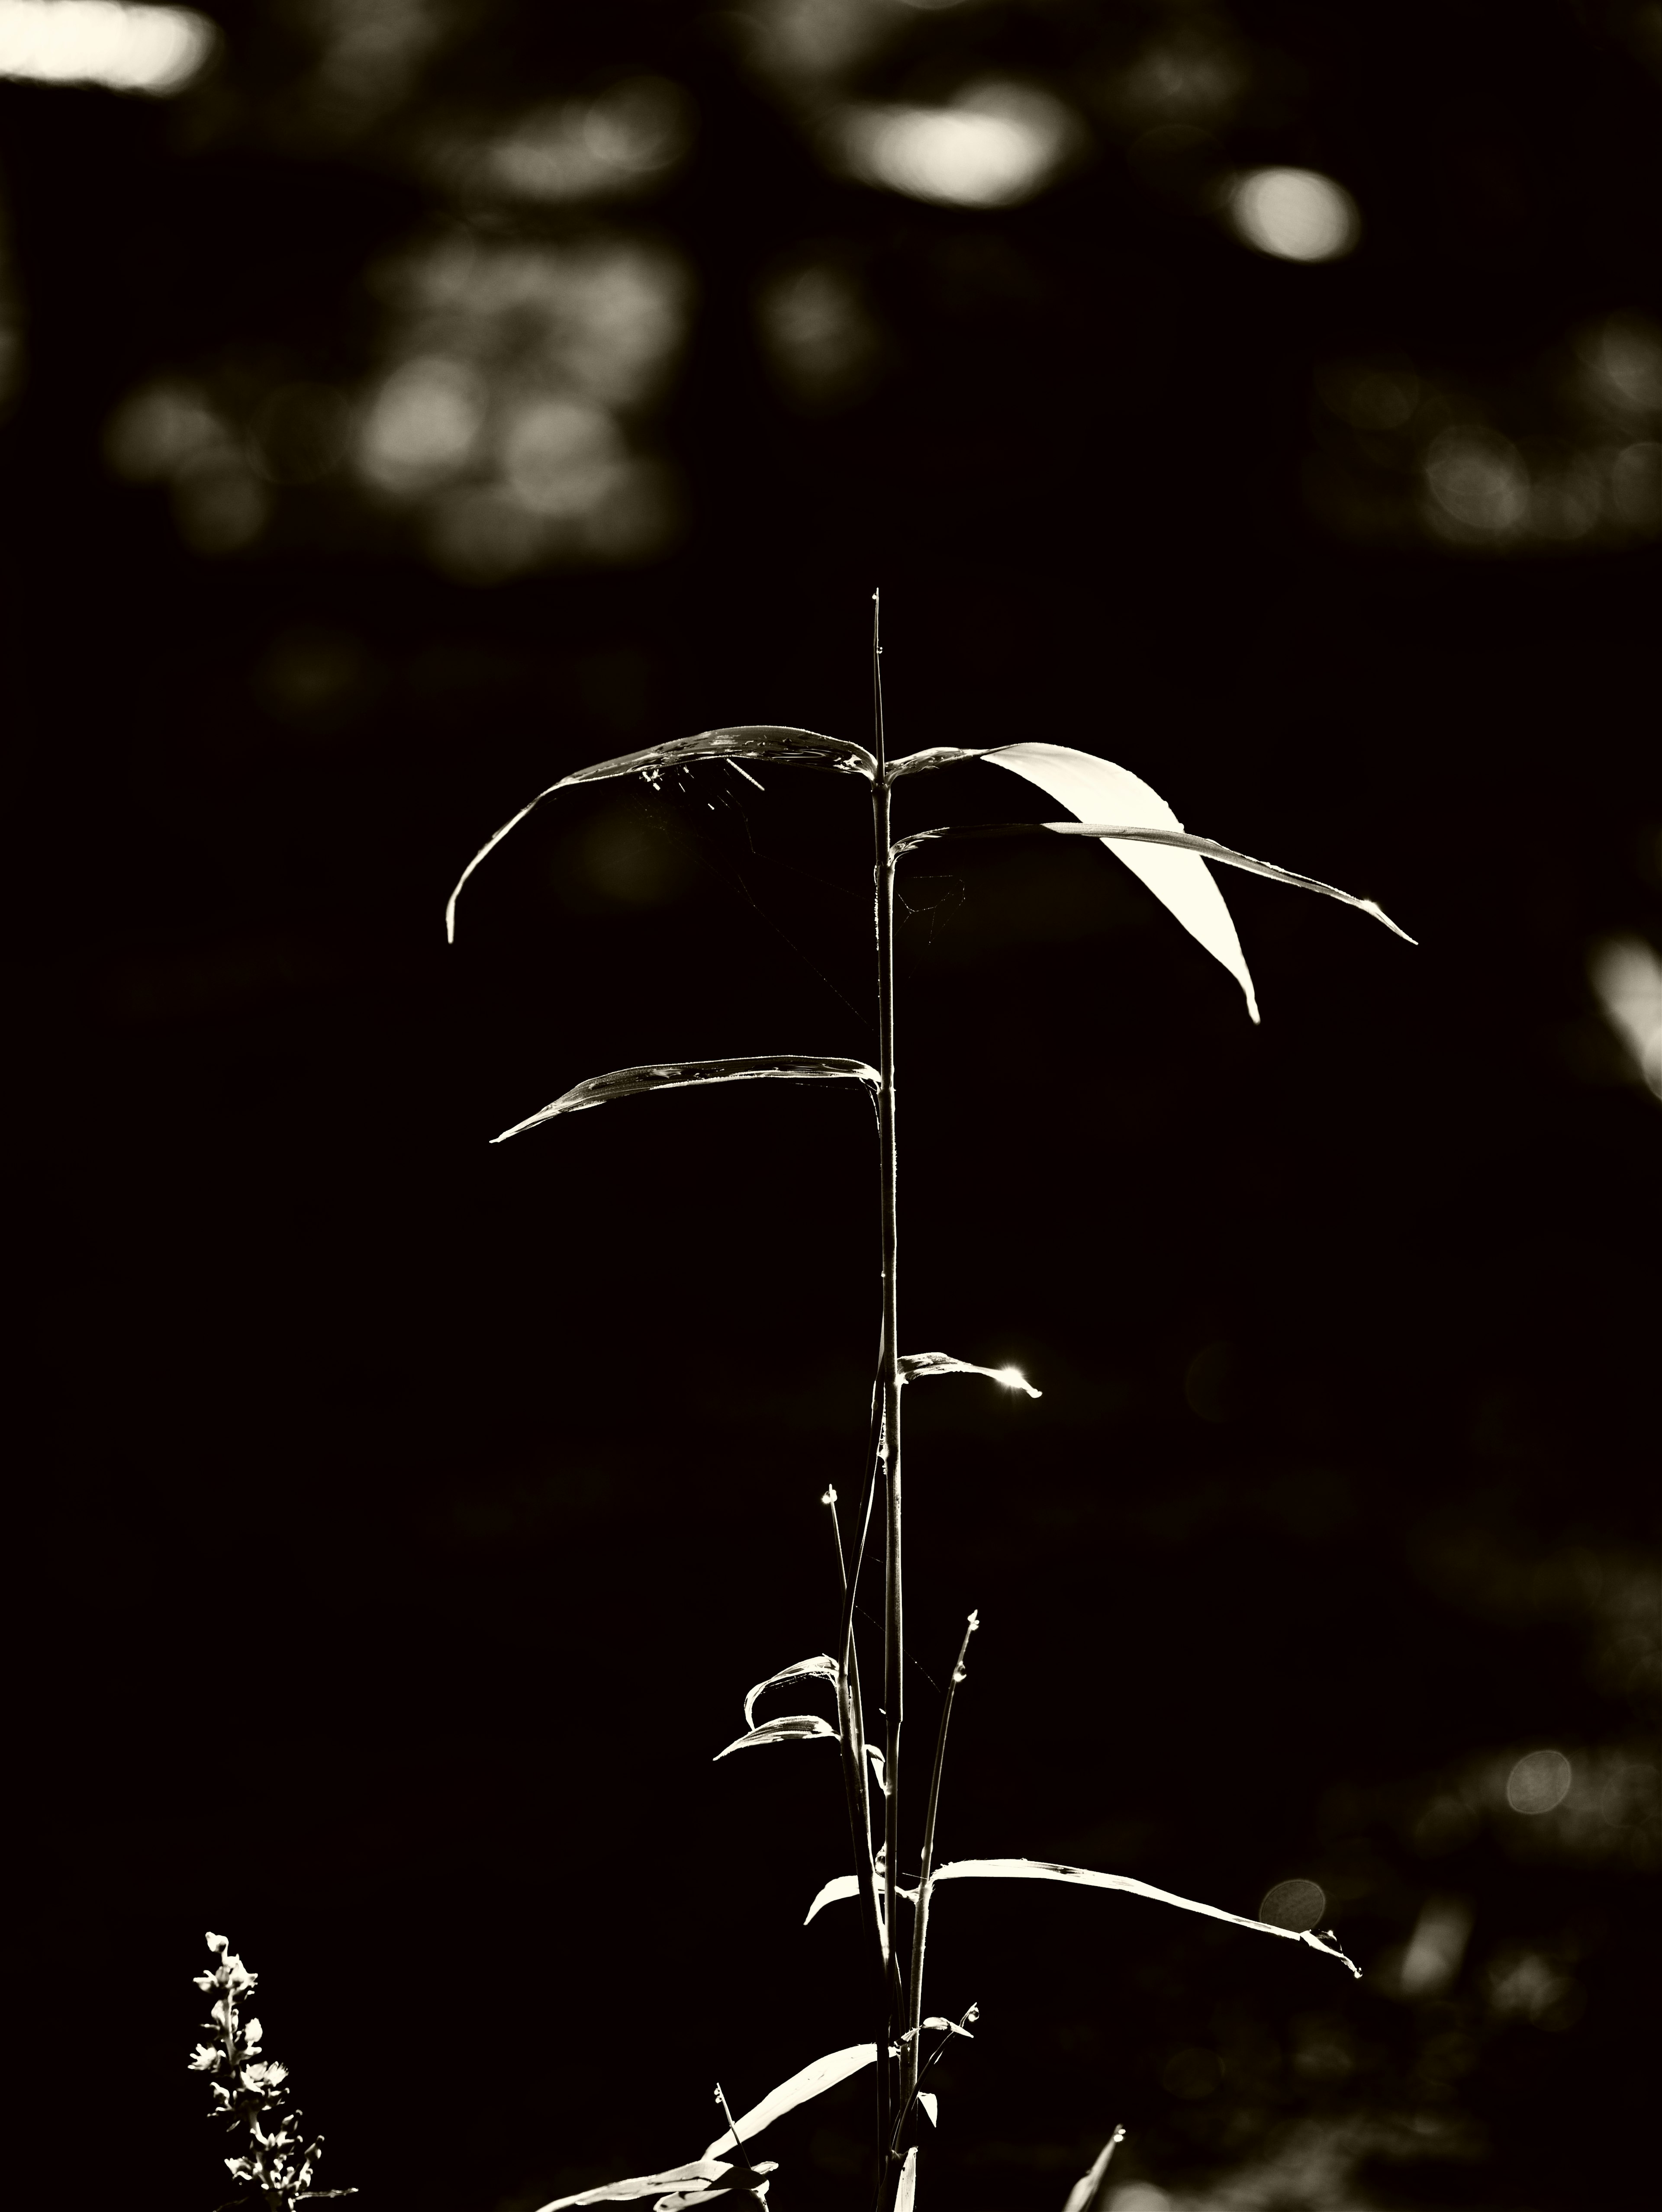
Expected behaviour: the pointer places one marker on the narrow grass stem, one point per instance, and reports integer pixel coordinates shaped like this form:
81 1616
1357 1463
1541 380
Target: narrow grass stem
908 2075
889 1396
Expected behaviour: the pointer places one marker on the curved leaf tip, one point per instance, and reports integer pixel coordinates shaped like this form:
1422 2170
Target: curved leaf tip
742 741
914 1365
789 1727
675 1074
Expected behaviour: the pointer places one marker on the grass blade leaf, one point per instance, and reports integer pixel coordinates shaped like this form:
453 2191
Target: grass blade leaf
915 1364
839 1886
744 741
1087 1878
673 1074
810 2082
791 1728
705 2170
824 1666
905 2195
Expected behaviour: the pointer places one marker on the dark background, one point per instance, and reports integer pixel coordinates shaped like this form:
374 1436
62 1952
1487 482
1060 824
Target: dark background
402 1520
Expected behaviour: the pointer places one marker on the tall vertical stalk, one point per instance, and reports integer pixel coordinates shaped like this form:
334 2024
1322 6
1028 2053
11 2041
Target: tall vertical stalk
888 1386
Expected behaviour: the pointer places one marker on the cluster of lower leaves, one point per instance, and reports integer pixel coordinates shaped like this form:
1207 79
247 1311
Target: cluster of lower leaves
277 2164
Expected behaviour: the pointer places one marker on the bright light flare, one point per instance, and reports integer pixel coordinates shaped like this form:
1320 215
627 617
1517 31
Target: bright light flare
998 144
155 49
1013 1379
1293 214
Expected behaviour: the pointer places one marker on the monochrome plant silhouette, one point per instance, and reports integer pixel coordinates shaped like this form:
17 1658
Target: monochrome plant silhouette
1135 824
249 2094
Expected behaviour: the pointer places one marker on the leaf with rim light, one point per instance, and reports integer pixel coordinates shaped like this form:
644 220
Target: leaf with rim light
677 1074
1184 840
743 741
1087 1878
811 2081
931 2105
914 1365
905 2193
822 1666
706 2169
1124 813
790 1728
844 1886
1086 2191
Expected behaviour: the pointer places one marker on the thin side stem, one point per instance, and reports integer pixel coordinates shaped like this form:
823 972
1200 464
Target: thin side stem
921 1917
852 1730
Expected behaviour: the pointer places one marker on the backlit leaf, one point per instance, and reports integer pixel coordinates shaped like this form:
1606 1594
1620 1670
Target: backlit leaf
1141 829
931 2105
675 1075
824 1666
705 2170
905 2195
1087 1878
839 1886
1086 2192
811 2081
746 741
791 1727
1178 840
914 1365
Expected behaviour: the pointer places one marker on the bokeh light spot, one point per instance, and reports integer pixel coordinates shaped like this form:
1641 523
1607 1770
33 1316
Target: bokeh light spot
1293 214
998 144
1627 979
152 50
1539 1781
1295 1904
423 423
1477 481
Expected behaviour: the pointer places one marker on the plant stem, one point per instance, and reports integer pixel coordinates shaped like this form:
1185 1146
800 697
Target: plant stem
888 1388
921 1917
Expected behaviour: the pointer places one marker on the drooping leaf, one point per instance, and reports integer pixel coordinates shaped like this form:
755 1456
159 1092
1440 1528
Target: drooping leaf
931 2106
839 1886
750 2181
704 2170
791 1728
1087 1878
745 741
1113 804
810 2081
913 1365
1178 840
824 1666
905 2195
673 1074
1086 2194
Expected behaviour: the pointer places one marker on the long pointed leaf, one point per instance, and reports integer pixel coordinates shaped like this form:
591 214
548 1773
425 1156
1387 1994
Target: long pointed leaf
1101 791
1087 1878
1207 848
706 2169
1086 2191
839 1886
790 1728
811 2081
824 1666
744 741
673 1074
915 1364
905 2195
